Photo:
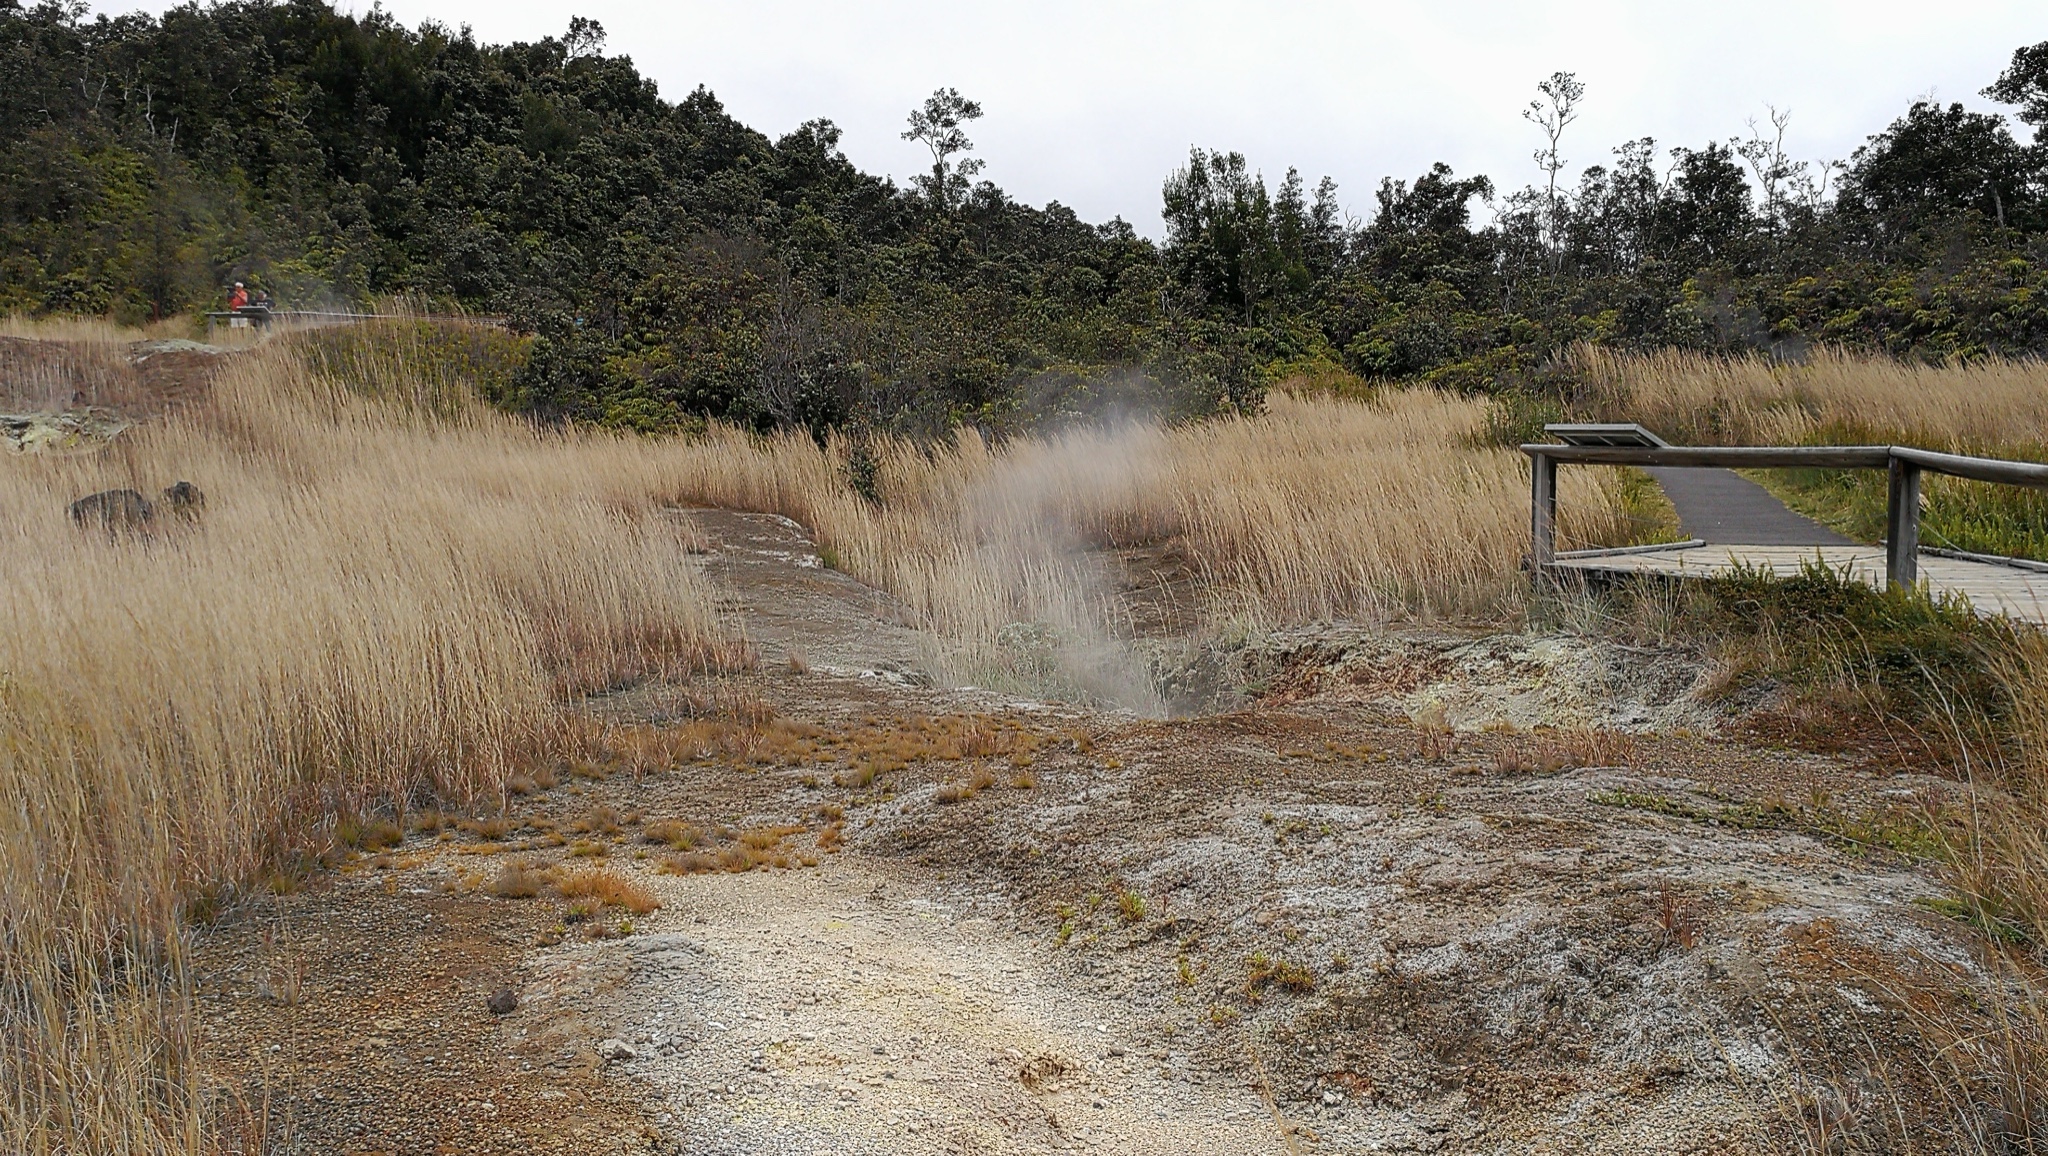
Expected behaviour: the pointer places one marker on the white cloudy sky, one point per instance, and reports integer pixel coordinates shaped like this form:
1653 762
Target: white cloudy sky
1091 102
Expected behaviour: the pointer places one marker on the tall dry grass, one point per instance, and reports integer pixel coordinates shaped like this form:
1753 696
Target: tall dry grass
49 364
1326 508
1998 861
77 329
39 376
1834 395
379 604
1317 508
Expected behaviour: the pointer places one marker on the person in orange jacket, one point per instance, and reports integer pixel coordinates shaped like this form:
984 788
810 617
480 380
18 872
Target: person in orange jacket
238 298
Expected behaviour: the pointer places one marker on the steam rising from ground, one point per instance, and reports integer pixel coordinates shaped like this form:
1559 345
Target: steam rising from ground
1317 509
1024 524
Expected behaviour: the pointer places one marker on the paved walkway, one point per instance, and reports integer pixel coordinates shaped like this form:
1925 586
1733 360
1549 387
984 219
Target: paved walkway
1721 507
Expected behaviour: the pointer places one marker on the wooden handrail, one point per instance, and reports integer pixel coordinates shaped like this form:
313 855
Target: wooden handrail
1723 457
1903 464
1997 470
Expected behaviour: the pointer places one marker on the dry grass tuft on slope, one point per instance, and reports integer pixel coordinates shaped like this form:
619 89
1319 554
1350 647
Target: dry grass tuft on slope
1833 395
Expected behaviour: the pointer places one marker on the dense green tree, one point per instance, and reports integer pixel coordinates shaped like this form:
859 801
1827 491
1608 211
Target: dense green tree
676 265
1240 251
1936 163
939 127
2025 83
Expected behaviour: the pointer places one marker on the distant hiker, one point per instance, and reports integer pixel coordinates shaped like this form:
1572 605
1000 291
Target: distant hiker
239 299
262 300
113 511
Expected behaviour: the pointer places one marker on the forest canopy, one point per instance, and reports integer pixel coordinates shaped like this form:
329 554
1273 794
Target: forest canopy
674 264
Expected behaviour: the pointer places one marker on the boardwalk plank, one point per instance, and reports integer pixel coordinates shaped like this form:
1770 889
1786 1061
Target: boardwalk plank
1992 589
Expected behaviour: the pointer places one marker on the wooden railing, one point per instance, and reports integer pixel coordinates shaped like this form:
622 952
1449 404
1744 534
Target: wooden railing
1902 503
257 317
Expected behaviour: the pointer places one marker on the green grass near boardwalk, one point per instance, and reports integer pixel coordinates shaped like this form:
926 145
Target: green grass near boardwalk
1957 514
1923 668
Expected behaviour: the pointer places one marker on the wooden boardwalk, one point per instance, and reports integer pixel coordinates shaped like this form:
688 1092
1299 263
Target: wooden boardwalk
1991 588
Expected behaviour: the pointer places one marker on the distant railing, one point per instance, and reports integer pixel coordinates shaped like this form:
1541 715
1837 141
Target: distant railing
258 317
1902 503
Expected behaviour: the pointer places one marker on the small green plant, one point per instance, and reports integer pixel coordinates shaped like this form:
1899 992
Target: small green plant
1916 834
1517 416
2011 932
1131 906
1263 970
864 470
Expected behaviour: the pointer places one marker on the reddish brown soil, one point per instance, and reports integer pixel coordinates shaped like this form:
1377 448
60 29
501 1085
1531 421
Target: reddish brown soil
350 1019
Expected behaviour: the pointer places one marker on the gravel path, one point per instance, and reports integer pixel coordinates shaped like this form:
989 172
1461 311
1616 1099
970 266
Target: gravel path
835 1011
792 606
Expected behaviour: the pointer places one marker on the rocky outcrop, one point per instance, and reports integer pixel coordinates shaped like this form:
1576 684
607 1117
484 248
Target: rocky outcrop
127 511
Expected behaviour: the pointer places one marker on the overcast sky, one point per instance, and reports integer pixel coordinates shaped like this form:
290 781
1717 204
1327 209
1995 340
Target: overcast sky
1092 102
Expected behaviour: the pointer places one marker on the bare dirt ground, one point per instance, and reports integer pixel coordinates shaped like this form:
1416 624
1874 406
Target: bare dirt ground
1428 892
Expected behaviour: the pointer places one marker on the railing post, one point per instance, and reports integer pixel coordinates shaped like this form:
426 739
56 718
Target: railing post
1542 513
1902 525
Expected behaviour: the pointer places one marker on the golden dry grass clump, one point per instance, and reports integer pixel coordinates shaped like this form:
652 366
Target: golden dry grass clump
609 887
376 606
1833 395
1318 508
